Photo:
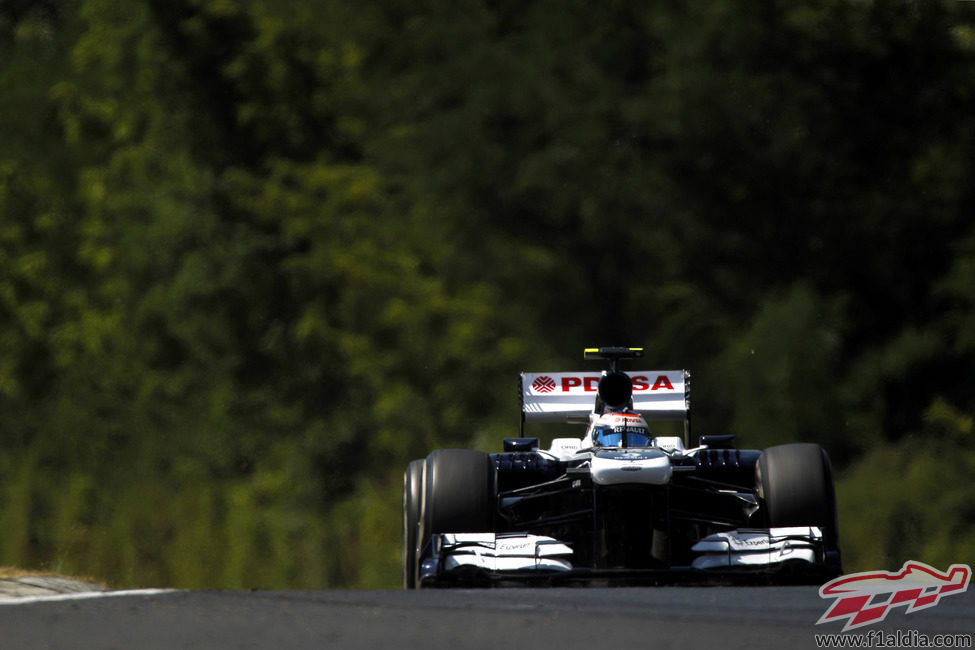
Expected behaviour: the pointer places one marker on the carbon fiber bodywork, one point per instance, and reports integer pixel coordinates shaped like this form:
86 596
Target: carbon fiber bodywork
627 526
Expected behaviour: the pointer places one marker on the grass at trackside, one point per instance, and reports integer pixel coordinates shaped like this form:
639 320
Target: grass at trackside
14 572
9 572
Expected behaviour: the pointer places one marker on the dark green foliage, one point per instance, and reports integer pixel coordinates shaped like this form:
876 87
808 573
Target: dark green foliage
256 256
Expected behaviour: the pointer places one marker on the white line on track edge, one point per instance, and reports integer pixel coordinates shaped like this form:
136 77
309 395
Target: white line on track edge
84 595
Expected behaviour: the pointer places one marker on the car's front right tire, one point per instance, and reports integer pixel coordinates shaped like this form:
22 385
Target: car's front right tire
412 486
457 495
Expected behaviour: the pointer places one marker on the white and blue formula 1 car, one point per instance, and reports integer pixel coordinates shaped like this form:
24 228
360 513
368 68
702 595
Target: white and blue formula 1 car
619 505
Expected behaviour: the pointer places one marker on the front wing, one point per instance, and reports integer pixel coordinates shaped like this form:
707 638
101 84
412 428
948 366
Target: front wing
769 555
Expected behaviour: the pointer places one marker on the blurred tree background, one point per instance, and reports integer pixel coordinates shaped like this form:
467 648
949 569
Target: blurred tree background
257 255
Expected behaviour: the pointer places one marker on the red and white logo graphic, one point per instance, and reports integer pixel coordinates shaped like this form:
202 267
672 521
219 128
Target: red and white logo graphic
544 384
575 384
866 598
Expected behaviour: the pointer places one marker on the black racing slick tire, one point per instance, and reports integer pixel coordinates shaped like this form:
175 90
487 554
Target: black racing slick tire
458 494
412 494
795 484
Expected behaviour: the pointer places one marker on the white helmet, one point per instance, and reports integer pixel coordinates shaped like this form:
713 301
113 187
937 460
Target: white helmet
620 429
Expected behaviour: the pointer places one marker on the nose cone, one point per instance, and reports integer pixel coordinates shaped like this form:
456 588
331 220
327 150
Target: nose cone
630 466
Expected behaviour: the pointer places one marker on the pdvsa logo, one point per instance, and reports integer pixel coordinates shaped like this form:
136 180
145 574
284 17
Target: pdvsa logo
575 384
866 598
544 384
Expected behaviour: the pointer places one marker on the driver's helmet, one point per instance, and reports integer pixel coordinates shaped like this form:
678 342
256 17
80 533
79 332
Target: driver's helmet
620 429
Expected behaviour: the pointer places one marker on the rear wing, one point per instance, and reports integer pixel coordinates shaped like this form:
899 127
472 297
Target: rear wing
571 396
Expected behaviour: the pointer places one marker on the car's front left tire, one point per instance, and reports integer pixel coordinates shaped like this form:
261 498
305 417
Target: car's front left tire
795 486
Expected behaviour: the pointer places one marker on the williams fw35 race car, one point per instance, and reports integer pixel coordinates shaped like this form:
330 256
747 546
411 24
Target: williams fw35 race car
618 505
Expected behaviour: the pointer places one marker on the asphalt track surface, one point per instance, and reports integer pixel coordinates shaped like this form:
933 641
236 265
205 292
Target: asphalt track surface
564 618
